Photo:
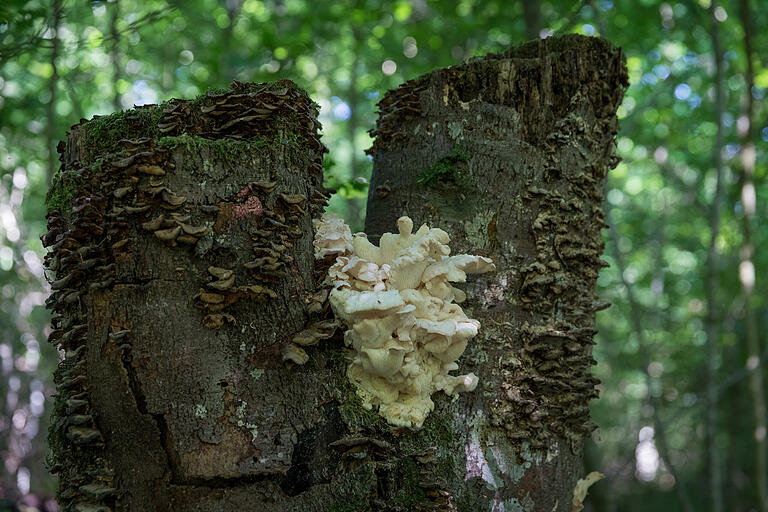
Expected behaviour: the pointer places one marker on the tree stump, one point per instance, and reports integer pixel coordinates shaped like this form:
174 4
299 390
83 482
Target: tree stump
509 154
182 249
185 283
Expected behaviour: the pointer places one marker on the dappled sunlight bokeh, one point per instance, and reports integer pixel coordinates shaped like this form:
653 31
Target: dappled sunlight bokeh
672 352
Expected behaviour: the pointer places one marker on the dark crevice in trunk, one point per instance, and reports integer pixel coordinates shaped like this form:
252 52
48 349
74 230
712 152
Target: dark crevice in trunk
134 385
310 464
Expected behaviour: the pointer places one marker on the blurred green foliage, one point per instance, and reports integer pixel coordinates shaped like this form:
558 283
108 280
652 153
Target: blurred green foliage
346 54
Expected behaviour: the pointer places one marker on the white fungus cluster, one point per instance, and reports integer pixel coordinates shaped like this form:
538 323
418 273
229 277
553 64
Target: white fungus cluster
398 304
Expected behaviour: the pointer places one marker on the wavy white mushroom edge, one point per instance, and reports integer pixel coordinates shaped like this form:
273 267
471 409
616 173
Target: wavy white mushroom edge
397 301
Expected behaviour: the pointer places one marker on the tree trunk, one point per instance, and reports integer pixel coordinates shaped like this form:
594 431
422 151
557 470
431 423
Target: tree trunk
712 322
114 55
752 334
509 154
181 245
532 17
183 263
53 82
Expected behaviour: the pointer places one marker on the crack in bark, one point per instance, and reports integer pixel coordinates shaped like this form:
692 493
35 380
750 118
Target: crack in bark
126 361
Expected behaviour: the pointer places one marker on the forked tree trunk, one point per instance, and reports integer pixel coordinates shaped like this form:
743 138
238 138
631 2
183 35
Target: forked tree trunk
509 154
175 392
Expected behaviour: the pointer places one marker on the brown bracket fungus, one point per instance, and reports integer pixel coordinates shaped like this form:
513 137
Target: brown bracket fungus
397 303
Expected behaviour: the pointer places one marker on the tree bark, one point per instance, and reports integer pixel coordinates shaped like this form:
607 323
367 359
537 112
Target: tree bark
509 154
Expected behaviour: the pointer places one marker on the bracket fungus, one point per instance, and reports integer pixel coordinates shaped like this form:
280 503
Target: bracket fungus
398 304
332 236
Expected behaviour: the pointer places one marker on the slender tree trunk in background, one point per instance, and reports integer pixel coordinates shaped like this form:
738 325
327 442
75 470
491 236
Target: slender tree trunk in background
746 267
509 155
532 17
50 108
714 462
233 11
354 206
114 52
598 19
184 269
637 322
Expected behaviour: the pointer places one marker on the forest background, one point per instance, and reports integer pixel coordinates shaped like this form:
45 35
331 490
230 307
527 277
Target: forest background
681 353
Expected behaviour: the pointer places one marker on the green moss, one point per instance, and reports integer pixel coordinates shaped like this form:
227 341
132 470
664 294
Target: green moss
336 358
451 171
436 432
60 197
184 140
353 412
405 499
227 149
63 190
104 132
407 472
230 151
468 504
215 91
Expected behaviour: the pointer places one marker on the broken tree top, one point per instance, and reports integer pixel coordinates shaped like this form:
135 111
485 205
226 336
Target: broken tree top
244 111
524 78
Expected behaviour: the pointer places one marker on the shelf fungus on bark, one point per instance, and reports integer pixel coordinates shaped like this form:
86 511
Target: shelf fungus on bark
332 236
398 305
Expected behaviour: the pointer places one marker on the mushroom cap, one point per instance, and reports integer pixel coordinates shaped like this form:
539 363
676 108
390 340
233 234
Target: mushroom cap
294 353
351 305
358 274
384 362
365 249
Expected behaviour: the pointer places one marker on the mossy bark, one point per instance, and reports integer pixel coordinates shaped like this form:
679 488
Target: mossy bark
509 154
